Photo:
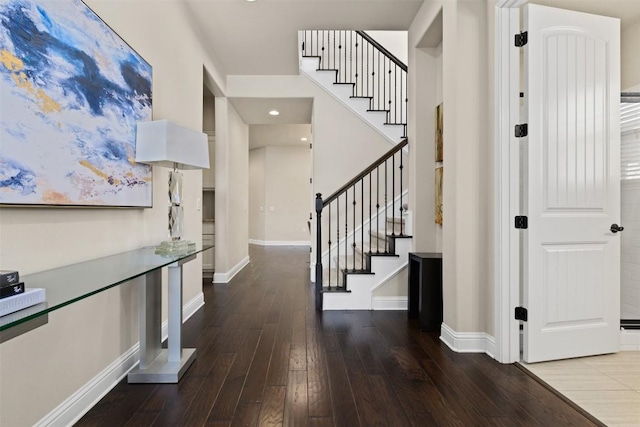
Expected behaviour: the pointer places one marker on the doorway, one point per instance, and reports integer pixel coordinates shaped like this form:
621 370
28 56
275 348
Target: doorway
630 211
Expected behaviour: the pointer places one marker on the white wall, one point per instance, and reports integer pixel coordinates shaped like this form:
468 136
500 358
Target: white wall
257 193
279 180
395 42
468 186
43 367
232 191
630 65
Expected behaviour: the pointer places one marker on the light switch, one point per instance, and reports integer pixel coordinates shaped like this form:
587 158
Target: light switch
198 204
272 209
261 208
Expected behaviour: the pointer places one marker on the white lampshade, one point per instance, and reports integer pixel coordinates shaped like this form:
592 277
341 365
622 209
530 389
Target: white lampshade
164 143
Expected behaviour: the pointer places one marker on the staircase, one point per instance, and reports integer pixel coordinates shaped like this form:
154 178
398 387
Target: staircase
362 239
361 74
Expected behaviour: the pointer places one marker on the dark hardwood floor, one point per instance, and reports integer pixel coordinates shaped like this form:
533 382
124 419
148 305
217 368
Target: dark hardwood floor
266 357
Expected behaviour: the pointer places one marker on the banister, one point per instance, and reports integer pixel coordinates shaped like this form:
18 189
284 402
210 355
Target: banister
365 172
381 48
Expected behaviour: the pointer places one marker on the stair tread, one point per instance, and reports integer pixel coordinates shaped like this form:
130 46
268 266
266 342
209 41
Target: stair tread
378 111
344 83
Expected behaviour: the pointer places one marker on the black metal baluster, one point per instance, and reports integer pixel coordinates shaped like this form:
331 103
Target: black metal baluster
401 191
389 101
351 74
378 94
322 54
339 67
362 224
346 232
393 195
385 207
355 91
377 207
338 241
395 94
370 217
318 284
329 234
354 227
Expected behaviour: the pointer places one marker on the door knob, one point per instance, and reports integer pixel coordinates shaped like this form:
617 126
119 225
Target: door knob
615 228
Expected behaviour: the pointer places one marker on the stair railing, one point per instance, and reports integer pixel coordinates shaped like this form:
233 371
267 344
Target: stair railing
350 207
358 59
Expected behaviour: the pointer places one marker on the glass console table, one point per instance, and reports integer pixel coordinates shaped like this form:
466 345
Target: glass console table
68 284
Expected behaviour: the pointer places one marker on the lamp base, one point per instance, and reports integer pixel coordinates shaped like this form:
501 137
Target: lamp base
175 247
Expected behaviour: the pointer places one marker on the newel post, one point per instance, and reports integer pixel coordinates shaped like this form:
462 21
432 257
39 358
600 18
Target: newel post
319 251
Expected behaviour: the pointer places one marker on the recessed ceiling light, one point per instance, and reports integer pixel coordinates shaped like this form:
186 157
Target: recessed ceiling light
274 112
303 139
251 0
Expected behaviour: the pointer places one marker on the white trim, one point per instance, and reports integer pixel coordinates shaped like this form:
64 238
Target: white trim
82 400
389 303
79 403
629 340
391 275
507 180
226 277
280 242
468 342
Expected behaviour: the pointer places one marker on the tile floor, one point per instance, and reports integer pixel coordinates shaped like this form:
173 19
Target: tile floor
608 386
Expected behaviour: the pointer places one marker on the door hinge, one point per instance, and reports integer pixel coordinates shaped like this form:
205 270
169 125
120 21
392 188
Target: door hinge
521 314
521 39
310 145
310 180
522 130
522 222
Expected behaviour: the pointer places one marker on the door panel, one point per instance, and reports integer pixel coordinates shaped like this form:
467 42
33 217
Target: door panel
572 259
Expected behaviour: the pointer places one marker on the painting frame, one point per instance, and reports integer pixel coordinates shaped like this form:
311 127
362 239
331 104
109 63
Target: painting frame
68 131
438 194
439 137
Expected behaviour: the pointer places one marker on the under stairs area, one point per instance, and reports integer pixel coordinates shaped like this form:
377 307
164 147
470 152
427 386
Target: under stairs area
362 229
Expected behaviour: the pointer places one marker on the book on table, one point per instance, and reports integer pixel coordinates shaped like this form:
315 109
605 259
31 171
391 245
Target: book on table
9 291
30 296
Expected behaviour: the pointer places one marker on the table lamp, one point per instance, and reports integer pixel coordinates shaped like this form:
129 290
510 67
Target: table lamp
163 143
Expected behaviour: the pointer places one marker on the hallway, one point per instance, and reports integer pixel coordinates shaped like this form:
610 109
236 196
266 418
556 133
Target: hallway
266 357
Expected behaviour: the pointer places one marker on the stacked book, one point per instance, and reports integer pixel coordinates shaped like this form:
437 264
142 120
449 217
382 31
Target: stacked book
13 294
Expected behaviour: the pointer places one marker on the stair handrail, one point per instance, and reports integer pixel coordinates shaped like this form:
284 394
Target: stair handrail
365 172
381 48
320 205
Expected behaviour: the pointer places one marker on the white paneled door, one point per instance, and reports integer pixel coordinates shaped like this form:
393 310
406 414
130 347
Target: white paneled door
571 256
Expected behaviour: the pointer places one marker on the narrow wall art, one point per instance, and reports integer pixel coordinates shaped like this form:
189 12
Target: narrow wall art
438 192
439 135
72 91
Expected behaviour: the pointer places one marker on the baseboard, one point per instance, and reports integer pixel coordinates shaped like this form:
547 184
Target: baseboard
389 303
226 277
280 242
79 403
468 342
630 340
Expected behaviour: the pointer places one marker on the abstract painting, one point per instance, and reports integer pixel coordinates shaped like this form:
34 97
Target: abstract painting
71 93
439 136
438 191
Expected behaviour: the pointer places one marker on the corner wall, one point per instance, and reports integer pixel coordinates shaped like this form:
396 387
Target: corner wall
232 191
42 368
467 232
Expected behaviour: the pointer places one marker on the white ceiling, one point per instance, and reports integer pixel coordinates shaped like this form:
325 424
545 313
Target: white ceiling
260 37
255 111
280 135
